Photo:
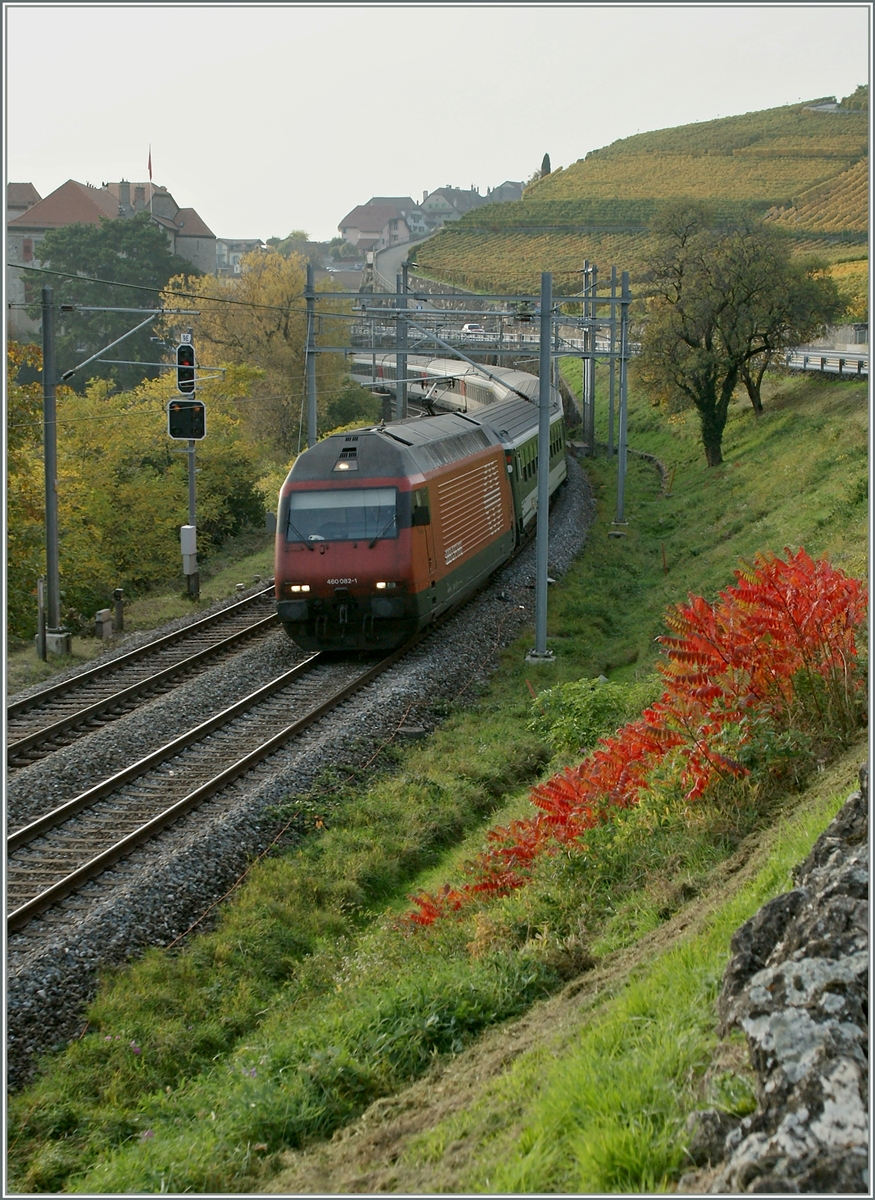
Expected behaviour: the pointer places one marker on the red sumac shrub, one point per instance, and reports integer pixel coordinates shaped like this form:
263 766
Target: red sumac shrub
782 638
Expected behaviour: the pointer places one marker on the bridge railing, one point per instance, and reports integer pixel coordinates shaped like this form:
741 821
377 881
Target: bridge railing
831 362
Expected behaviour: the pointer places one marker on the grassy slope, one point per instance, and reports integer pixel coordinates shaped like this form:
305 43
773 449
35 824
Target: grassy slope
538 1105
805 171
587 1093
304 1006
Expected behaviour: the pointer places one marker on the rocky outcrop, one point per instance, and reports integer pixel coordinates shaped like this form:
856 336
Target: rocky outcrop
797 985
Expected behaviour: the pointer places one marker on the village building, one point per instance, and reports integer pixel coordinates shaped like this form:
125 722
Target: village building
390 220
384 221
229 252
75 203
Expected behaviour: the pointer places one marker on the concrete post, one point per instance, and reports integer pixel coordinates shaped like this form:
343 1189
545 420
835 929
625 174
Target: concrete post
118 622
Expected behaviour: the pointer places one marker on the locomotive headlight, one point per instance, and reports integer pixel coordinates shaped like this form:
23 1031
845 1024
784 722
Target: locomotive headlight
297 587
381 586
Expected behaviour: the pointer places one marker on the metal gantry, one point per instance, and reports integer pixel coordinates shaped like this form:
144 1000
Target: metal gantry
600 338
599 332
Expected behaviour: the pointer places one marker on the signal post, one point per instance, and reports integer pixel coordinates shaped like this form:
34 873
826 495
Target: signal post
187 421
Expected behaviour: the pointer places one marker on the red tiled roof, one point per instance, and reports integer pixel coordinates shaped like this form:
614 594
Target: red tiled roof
21 195
75 203
189 224
71 204
370 218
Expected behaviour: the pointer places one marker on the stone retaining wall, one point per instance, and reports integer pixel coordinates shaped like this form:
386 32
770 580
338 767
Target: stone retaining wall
797 985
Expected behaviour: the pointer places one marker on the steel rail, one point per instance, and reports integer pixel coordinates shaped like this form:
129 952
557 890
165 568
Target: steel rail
27 833
127 694
26 912
115 664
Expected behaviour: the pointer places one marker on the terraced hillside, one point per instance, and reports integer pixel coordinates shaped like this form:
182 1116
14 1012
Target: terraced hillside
803 169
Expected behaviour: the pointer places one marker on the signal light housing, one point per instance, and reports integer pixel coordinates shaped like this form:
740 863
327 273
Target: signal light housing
186 420
185 365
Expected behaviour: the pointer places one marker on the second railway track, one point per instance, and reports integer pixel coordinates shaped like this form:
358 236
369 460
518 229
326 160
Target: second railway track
56 716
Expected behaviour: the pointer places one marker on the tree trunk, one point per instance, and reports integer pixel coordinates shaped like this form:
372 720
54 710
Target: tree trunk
713 453
713 401
752 377
755 398
753 388
713 409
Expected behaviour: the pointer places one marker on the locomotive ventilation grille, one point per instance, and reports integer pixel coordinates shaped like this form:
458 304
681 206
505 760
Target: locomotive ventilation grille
450 449
470 506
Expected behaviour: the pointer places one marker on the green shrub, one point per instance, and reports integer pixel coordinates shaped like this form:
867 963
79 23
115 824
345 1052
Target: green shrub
573 716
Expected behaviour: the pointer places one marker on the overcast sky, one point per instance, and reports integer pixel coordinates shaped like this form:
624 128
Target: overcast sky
272 117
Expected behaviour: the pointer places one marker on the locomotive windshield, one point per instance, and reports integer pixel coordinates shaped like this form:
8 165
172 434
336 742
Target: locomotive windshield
342 515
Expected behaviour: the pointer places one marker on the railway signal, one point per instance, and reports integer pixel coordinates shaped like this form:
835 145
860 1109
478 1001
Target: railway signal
187 420
185 369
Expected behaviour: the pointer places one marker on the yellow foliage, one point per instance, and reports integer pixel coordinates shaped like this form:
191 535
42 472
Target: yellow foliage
852 279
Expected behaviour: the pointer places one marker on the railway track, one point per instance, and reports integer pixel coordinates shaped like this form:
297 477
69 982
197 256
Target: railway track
51 858
58 715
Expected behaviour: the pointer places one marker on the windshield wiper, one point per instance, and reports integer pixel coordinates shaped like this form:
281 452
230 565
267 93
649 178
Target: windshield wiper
301 537
373 543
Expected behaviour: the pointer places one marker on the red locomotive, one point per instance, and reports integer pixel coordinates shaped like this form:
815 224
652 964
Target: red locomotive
382 530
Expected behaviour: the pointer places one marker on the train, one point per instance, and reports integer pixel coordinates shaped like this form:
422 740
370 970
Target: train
384 529
447 383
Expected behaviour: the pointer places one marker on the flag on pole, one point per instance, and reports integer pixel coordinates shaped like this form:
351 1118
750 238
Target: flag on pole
150 163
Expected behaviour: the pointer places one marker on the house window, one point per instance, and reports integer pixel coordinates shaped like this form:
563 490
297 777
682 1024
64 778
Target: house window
27 250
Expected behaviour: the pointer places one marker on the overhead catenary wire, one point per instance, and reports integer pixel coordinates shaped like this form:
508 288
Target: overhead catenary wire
141 287
189 295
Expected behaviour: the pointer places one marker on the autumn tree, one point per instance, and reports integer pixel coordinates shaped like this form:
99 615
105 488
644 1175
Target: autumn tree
123 252
723 301
25 492
802 301
122 488
296 242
